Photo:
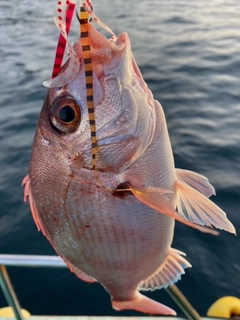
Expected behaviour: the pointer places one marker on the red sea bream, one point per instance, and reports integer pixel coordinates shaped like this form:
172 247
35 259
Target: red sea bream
122 239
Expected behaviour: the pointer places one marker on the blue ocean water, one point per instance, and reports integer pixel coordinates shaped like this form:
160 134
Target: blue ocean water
189 54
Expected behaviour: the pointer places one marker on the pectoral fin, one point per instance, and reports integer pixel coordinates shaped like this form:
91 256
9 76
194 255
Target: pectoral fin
158 200
192 206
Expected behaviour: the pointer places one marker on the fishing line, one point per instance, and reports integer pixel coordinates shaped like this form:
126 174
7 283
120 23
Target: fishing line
83 18
63 17
87 60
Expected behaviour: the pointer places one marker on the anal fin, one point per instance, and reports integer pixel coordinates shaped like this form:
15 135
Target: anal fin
168 273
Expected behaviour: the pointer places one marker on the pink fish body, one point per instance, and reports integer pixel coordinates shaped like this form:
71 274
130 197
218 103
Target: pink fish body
121 238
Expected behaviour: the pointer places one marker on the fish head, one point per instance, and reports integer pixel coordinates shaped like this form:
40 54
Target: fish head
123 109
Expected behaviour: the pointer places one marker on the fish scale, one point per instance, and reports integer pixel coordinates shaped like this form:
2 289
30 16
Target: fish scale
112 241
119 234
105 229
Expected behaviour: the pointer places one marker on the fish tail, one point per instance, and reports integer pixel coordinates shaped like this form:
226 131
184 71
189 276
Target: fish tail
143 304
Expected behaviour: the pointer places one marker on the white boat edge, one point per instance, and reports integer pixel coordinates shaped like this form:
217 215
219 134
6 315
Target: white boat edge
105 318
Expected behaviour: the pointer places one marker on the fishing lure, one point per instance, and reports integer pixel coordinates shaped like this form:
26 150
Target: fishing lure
63 17
61 40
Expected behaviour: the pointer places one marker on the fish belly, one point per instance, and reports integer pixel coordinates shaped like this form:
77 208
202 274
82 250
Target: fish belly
115 239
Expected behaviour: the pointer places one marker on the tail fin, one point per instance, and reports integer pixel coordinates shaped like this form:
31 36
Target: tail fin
143 304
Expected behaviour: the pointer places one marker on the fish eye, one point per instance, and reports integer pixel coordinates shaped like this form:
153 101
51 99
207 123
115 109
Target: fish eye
65 114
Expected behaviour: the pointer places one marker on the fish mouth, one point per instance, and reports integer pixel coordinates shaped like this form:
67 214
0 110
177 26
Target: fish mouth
102 51
107 55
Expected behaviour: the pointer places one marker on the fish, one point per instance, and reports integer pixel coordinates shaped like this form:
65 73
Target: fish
112 219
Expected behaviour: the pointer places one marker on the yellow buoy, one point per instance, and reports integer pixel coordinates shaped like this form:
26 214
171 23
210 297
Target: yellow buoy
7 312
225 307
